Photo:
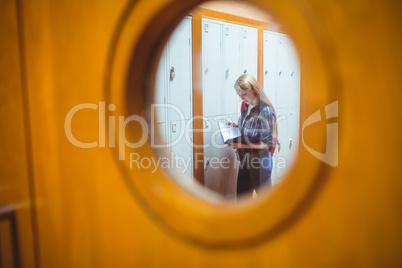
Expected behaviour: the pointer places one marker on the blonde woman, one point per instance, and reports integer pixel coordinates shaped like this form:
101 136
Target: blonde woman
257 119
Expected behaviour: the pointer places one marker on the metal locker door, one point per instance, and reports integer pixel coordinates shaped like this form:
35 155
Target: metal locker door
229 172
281 160
283 72
249 41
231 66
294 79
211 67
181 148
163 138
179 71
230 169
292 143
270 66
212 156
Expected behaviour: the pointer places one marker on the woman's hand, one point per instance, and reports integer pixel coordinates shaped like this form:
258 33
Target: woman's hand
235 145
232 124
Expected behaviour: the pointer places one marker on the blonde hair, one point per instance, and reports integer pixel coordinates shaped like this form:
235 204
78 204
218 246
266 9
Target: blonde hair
248 82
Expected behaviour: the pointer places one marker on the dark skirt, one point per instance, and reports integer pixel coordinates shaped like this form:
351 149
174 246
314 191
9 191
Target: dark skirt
254 172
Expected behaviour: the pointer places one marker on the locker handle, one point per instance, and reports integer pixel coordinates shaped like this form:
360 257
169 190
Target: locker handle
174 127
266 72
172 73
227 73
245 71
290 143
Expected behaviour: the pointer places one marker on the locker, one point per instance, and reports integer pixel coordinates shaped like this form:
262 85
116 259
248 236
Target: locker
283 73
274 172
174 78
219 177
238 54
163 138
214 89
213 176
281 157
231 66
249 47
292 142
294 79
270 66
211 67
230 179
230 170
179 69
288 131
173 87
181 149
282 86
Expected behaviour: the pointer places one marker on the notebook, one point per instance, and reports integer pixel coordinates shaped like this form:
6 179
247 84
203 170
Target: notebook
232 135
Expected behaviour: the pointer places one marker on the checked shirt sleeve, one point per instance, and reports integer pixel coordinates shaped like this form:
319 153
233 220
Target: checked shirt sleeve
263 126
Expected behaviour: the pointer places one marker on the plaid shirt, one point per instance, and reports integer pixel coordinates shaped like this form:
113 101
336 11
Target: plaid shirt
259 123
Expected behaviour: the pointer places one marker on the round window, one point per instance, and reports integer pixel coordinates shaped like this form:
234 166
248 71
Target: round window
205 86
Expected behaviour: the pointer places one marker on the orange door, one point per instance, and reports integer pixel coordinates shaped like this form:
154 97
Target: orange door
74 76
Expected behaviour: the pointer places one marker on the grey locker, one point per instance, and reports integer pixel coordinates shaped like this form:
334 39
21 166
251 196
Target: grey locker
228 51
213 104
230 169
212 156
249 47
161 137
283 72
282 86
211 67
179 62
231 66
294 79
292 143
270 66
281 156
288 124
173 87
181 147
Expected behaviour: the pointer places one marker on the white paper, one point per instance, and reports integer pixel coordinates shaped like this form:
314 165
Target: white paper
228 132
